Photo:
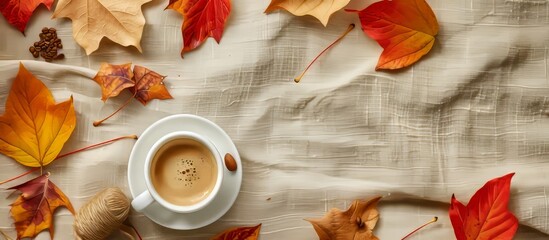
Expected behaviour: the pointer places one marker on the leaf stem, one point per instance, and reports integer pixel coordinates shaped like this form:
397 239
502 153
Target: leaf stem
20 175
420 227
349 29
70 153
96 145
98 122
136 232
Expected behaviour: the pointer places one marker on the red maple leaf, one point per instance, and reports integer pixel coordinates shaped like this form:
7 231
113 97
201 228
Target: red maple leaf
33 210
203 19
486 215
18 12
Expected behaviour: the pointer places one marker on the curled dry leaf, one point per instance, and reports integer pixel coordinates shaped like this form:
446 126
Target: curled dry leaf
34 128
357 223
406 30
486 216
18 13
320 9
149 85
239 233
144 84
202 19
113 79
121 21
33 210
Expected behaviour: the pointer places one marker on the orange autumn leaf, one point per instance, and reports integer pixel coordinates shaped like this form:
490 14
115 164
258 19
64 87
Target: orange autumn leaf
144 84
239 233
34 128
113 79
149 85
33 210
357 223
202 19
406 30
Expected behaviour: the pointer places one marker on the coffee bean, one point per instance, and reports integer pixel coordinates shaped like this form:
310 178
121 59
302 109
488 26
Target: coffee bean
48 46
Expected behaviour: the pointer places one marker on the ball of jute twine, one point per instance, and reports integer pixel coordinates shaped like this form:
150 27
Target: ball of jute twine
102 215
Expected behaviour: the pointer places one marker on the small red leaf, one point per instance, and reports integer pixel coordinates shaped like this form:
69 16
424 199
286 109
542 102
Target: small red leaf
239 233
18 12
486 215
202 19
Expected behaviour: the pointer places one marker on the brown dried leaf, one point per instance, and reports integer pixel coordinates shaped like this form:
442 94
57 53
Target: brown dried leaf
149 85
357 223
113 79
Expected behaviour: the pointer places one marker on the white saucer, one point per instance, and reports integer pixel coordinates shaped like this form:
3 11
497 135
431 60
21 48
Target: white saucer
231 180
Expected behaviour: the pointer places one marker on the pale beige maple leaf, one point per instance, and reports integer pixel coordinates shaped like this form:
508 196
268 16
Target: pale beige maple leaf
320 9
121 21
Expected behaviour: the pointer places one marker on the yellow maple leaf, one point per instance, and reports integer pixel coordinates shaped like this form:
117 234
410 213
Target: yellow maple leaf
121 21
320 9
34 128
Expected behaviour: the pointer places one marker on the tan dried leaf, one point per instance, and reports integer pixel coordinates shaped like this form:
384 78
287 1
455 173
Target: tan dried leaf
357 223
121 21
320 9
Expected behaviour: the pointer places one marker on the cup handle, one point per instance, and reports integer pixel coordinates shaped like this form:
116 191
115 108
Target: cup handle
142 201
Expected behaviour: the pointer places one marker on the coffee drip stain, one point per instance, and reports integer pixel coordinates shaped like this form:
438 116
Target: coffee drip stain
186 172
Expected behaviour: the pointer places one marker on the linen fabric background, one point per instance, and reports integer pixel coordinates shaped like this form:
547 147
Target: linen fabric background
473 109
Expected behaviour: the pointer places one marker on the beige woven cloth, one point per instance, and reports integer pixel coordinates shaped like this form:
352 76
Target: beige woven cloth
474 109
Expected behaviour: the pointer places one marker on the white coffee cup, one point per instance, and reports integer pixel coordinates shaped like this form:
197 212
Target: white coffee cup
150 195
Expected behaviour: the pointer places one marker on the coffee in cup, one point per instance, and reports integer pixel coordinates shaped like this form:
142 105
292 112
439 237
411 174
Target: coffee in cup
183 172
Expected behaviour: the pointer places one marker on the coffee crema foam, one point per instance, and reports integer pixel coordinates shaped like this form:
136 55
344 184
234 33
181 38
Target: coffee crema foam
183 172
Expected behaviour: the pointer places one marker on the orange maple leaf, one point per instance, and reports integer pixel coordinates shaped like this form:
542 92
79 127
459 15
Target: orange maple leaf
33 210
148 85
406 30
145 84
34 128
113 79
142 82
203 19
239 233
